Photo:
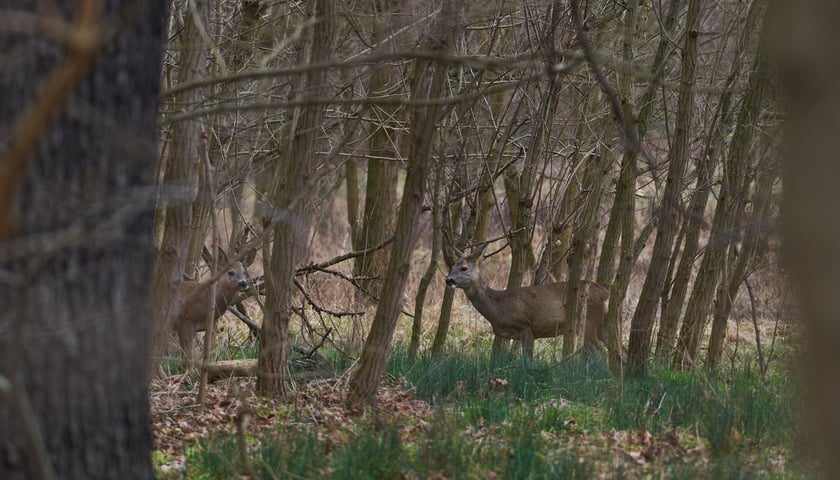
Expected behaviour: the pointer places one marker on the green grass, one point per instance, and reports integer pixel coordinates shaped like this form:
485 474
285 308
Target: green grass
543 419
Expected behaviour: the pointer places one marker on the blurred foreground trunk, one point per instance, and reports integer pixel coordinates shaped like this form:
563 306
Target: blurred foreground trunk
76 266
812 227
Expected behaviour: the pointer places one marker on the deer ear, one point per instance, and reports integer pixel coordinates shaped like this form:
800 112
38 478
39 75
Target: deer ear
477 251
453 252
250 257
223 257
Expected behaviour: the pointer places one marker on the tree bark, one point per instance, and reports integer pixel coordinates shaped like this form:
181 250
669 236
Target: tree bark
75 303
429 83
294 180
641 327
731 199
188 149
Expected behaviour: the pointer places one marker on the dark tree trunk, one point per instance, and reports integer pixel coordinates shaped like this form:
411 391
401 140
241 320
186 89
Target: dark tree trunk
74 332
811 226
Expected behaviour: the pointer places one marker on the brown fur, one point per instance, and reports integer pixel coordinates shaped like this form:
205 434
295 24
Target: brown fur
526 313
192 311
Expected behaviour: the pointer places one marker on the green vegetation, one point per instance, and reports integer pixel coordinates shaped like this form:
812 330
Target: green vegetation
517 419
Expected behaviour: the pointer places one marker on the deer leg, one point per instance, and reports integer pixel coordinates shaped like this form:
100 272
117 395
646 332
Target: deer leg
185 340
500 348
527 339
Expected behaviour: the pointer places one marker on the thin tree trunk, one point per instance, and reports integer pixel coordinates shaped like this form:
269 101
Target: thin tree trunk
428 275
723 228
188 148
641 327
429 82
295 178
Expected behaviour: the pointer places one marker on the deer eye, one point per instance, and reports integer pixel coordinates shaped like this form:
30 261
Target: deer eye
231 273
464 269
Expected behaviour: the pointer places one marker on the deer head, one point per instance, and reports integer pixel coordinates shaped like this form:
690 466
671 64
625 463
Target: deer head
465 273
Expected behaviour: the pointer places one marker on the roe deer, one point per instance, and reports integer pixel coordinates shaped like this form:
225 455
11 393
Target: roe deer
195 300
526 313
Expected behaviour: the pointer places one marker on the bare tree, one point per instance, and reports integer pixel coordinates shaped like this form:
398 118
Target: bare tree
292 209
641 327
429 82
188 150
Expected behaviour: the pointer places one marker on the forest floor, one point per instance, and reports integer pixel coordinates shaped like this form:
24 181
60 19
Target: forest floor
179 420
578 426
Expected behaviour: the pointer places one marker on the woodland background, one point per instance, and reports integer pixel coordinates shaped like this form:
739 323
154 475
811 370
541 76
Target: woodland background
640 145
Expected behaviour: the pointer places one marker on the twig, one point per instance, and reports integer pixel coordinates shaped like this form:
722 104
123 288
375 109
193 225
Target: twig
245 319
211 307
761 366
320 309
629 133
320 266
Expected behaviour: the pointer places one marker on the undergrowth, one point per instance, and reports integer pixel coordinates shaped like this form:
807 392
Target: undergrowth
520 419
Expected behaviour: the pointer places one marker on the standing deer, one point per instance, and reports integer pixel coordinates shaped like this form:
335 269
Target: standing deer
526 313
195 300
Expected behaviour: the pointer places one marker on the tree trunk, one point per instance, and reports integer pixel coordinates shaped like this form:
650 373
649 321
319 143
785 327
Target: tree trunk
695 218
811 227
428 275
726 215
378 218
750 247
693 222
382 164
641 327
188 148
294 180
72 307
428 83
596 172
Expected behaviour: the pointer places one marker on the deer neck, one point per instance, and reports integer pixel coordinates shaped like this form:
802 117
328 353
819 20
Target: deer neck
481 296
224 296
